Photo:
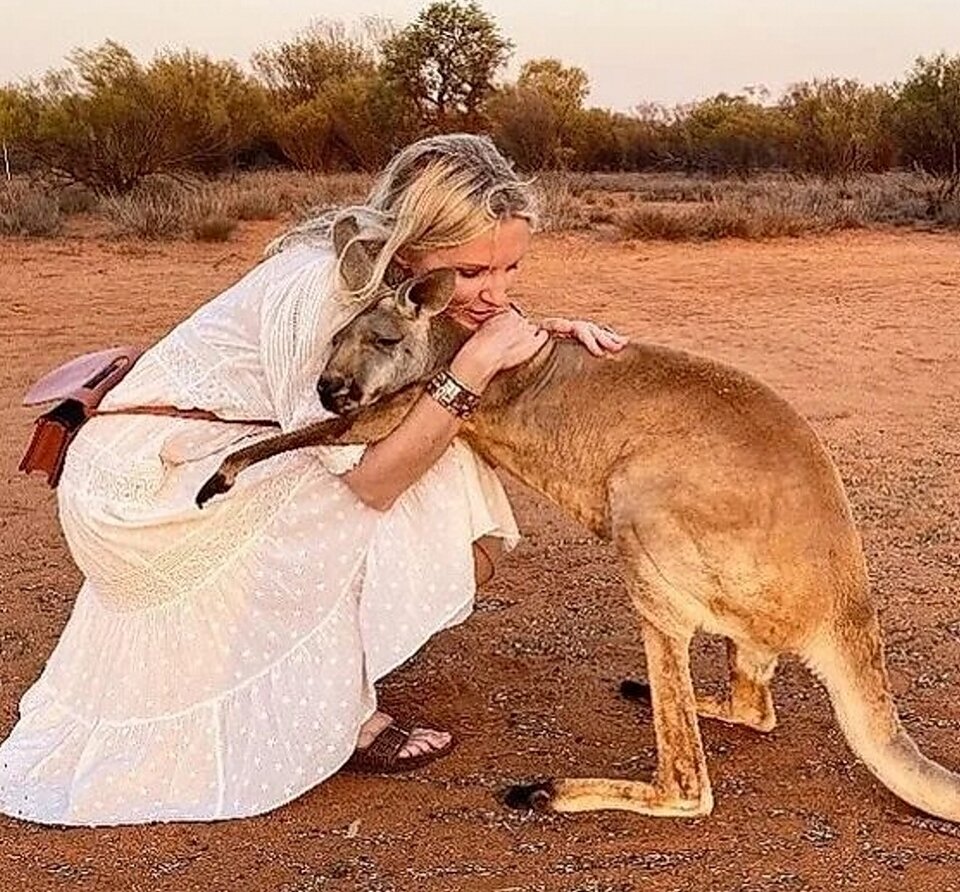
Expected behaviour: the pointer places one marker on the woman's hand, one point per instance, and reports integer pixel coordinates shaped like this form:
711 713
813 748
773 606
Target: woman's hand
503 341
596 338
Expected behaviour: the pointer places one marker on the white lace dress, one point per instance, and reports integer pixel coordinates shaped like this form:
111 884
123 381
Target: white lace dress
219 662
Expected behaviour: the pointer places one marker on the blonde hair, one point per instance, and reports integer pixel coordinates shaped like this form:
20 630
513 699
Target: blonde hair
438 192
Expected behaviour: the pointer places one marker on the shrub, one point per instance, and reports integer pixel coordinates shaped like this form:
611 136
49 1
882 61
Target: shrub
928 123
27 210
154 210
769 218
77 199
839 128
108 121
559 202
213 227
255 204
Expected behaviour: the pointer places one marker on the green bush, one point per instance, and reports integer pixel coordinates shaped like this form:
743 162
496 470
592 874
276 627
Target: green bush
928 125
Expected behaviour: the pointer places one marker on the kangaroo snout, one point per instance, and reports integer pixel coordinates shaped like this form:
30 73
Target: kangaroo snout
337 393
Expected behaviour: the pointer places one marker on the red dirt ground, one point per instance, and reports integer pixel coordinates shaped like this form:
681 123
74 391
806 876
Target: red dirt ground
861 331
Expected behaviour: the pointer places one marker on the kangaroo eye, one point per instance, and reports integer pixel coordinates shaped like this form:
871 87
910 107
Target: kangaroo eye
388 342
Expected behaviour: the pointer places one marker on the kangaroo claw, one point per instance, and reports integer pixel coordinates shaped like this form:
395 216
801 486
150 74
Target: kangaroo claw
529 797
217 484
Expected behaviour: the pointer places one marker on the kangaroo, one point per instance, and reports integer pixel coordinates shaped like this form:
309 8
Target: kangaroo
725 509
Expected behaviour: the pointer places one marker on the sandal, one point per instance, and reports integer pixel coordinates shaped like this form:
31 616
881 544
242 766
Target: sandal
382 756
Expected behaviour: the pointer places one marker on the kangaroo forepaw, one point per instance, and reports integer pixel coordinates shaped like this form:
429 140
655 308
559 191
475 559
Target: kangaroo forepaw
218 483
530 797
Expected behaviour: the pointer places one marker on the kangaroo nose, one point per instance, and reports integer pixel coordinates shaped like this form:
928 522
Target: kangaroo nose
338 393
329 387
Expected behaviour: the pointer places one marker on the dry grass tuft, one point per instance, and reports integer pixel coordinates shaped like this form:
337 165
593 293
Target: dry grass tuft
77 199
150 212
669 206
28 210
561 202
214 227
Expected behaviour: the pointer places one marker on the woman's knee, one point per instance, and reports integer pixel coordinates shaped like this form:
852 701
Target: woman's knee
486 552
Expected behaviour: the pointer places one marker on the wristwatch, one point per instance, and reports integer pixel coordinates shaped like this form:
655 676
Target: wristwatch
453 395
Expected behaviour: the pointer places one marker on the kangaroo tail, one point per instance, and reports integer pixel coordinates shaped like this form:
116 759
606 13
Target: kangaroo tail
848 657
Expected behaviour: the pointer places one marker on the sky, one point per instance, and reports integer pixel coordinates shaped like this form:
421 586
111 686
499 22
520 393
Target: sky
632 50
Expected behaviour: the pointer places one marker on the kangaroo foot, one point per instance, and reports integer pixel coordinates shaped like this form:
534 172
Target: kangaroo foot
593 794
755 713
733 713
529 797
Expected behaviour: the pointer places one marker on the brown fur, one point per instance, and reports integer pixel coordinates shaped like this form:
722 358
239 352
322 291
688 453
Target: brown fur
728 515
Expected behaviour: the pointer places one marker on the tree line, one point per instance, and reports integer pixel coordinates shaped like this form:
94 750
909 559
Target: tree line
334 98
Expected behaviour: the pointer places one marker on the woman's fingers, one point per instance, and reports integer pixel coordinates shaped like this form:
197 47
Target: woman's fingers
598 339
512 339
587 334
611 340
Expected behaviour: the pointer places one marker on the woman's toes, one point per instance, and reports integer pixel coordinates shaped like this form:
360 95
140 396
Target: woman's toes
414 747
424 740
437 739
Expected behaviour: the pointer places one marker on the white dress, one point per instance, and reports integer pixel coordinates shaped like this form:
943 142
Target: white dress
219 662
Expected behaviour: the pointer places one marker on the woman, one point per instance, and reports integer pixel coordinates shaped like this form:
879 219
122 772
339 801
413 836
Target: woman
219 663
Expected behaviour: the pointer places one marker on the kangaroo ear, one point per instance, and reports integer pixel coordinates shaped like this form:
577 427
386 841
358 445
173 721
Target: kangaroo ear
344 229
429 294
395 274
356 262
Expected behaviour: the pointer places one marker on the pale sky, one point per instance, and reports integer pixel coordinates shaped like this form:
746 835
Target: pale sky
632 50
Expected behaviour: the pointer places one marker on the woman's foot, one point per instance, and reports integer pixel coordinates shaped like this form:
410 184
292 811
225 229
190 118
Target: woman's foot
420 742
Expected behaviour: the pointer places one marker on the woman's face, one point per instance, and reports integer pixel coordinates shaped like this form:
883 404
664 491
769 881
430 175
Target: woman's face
486 269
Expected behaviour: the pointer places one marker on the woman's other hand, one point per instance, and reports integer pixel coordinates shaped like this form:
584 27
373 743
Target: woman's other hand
598 339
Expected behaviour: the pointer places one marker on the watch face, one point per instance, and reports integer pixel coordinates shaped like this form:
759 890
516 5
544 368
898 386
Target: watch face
448 390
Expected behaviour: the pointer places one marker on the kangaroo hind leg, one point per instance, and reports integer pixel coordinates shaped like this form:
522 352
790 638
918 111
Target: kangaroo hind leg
681 785
749 701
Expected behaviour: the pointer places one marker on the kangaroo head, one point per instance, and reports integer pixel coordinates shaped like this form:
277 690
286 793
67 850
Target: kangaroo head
387 346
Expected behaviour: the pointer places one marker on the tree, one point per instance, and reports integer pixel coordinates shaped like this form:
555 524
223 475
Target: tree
446 61
351 124
214 111
298 70
534 120
648 138
838 128
927 120
16 126
524 126
108 121
96 121
729 134
373 120
599 140
564 87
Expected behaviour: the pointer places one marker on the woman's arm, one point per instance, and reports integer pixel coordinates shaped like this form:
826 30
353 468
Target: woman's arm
391 465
